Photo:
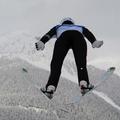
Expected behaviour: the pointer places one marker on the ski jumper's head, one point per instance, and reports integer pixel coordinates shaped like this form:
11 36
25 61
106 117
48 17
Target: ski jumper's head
67 20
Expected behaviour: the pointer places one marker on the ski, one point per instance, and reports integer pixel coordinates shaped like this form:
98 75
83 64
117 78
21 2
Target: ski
103 78
48 95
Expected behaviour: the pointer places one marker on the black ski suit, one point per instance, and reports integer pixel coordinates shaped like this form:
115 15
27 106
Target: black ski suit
68 37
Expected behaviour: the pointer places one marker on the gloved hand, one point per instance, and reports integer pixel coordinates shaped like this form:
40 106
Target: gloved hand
97 44
39 45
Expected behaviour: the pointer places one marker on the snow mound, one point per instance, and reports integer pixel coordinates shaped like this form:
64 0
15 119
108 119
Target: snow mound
21 99
17 43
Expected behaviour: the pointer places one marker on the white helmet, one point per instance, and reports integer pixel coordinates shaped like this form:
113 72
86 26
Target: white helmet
67 20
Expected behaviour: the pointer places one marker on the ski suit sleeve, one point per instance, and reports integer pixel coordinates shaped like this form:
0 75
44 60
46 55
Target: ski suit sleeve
89 35
48 35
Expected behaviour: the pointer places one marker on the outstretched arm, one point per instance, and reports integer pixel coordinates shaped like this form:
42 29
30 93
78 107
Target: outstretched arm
40 45
89 35
48 35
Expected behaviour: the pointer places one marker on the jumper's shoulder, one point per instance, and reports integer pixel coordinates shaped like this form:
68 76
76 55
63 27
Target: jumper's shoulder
80 26
57 26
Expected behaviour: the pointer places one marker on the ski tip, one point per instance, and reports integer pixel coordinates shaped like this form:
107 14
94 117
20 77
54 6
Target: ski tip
24 70
112 68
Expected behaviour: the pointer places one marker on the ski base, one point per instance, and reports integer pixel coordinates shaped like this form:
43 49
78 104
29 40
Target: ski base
86 91
48 95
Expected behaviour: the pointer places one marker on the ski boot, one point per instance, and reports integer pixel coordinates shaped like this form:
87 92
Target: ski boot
49 91
90 86
85 87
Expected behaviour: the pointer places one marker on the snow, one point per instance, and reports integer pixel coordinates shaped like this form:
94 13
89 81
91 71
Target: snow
107 99
20 97
106 62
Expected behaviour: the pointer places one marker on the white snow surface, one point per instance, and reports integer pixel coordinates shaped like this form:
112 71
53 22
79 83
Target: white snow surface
107 99
21 99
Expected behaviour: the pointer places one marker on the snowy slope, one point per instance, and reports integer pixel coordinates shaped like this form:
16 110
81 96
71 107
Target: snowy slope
20 97
17 43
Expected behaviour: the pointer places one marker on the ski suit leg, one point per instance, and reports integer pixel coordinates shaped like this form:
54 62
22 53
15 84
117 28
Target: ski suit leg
60 50
79 48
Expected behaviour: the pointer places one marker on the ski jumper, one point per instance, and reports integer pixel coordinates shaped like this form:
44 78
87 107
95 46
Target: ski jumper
69 37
